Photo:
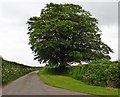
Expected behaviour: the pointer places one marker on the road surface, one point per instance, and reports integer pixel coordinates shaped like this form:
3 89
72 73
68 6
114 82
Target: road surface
31 84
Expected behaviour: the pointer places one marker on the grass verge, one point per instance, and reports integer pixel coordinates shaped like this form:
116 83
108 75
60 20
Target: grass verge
75 85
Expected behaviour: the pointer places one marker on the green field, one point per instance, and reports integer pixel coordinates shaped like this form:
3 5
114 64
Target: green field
75 85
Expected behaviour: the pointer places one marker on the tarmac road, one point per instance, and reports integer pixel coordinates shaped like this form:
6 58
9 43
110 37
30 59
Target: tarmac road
31 84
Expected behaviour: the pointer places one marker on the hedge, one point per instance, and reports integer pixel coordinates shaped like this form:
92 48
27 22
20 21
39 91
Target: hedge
13 70
100 73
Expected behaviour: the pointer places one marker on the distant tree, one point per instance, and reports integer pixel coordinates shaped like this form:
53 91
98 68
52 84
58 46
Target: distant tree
66 33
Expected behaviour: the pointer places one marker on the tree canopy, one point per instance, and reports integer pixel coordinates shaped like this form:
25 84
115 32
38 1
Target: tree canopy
66 33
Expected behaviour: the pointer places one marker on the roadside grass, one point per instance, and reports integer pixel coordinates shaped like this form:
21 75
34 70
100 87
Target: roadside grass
69 83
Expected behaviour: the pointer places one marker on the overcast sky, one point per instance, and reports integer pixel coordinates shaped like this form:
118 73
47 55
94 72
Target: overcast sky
13 29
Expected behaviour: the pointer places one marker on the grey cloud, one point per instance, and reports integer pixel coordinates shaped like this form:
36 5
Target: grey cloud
20 9
119 31
17 13
105 12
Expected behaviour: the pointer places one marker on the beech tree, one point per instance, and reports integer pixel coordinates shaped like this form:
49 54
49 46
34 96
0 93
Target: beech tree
64 34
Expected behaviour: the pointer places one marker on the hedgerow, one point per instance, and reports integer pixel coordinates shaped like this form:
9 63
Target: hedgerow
13 70
100 72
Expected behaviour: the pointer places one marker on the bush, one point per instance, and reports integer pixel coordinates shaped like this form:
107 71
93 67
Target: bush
54 70
12 71
100 72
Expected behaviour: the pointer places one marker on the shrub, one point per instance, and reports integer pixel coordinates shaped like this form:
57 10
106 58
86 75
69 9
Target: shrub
100 72
12 71
54 70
